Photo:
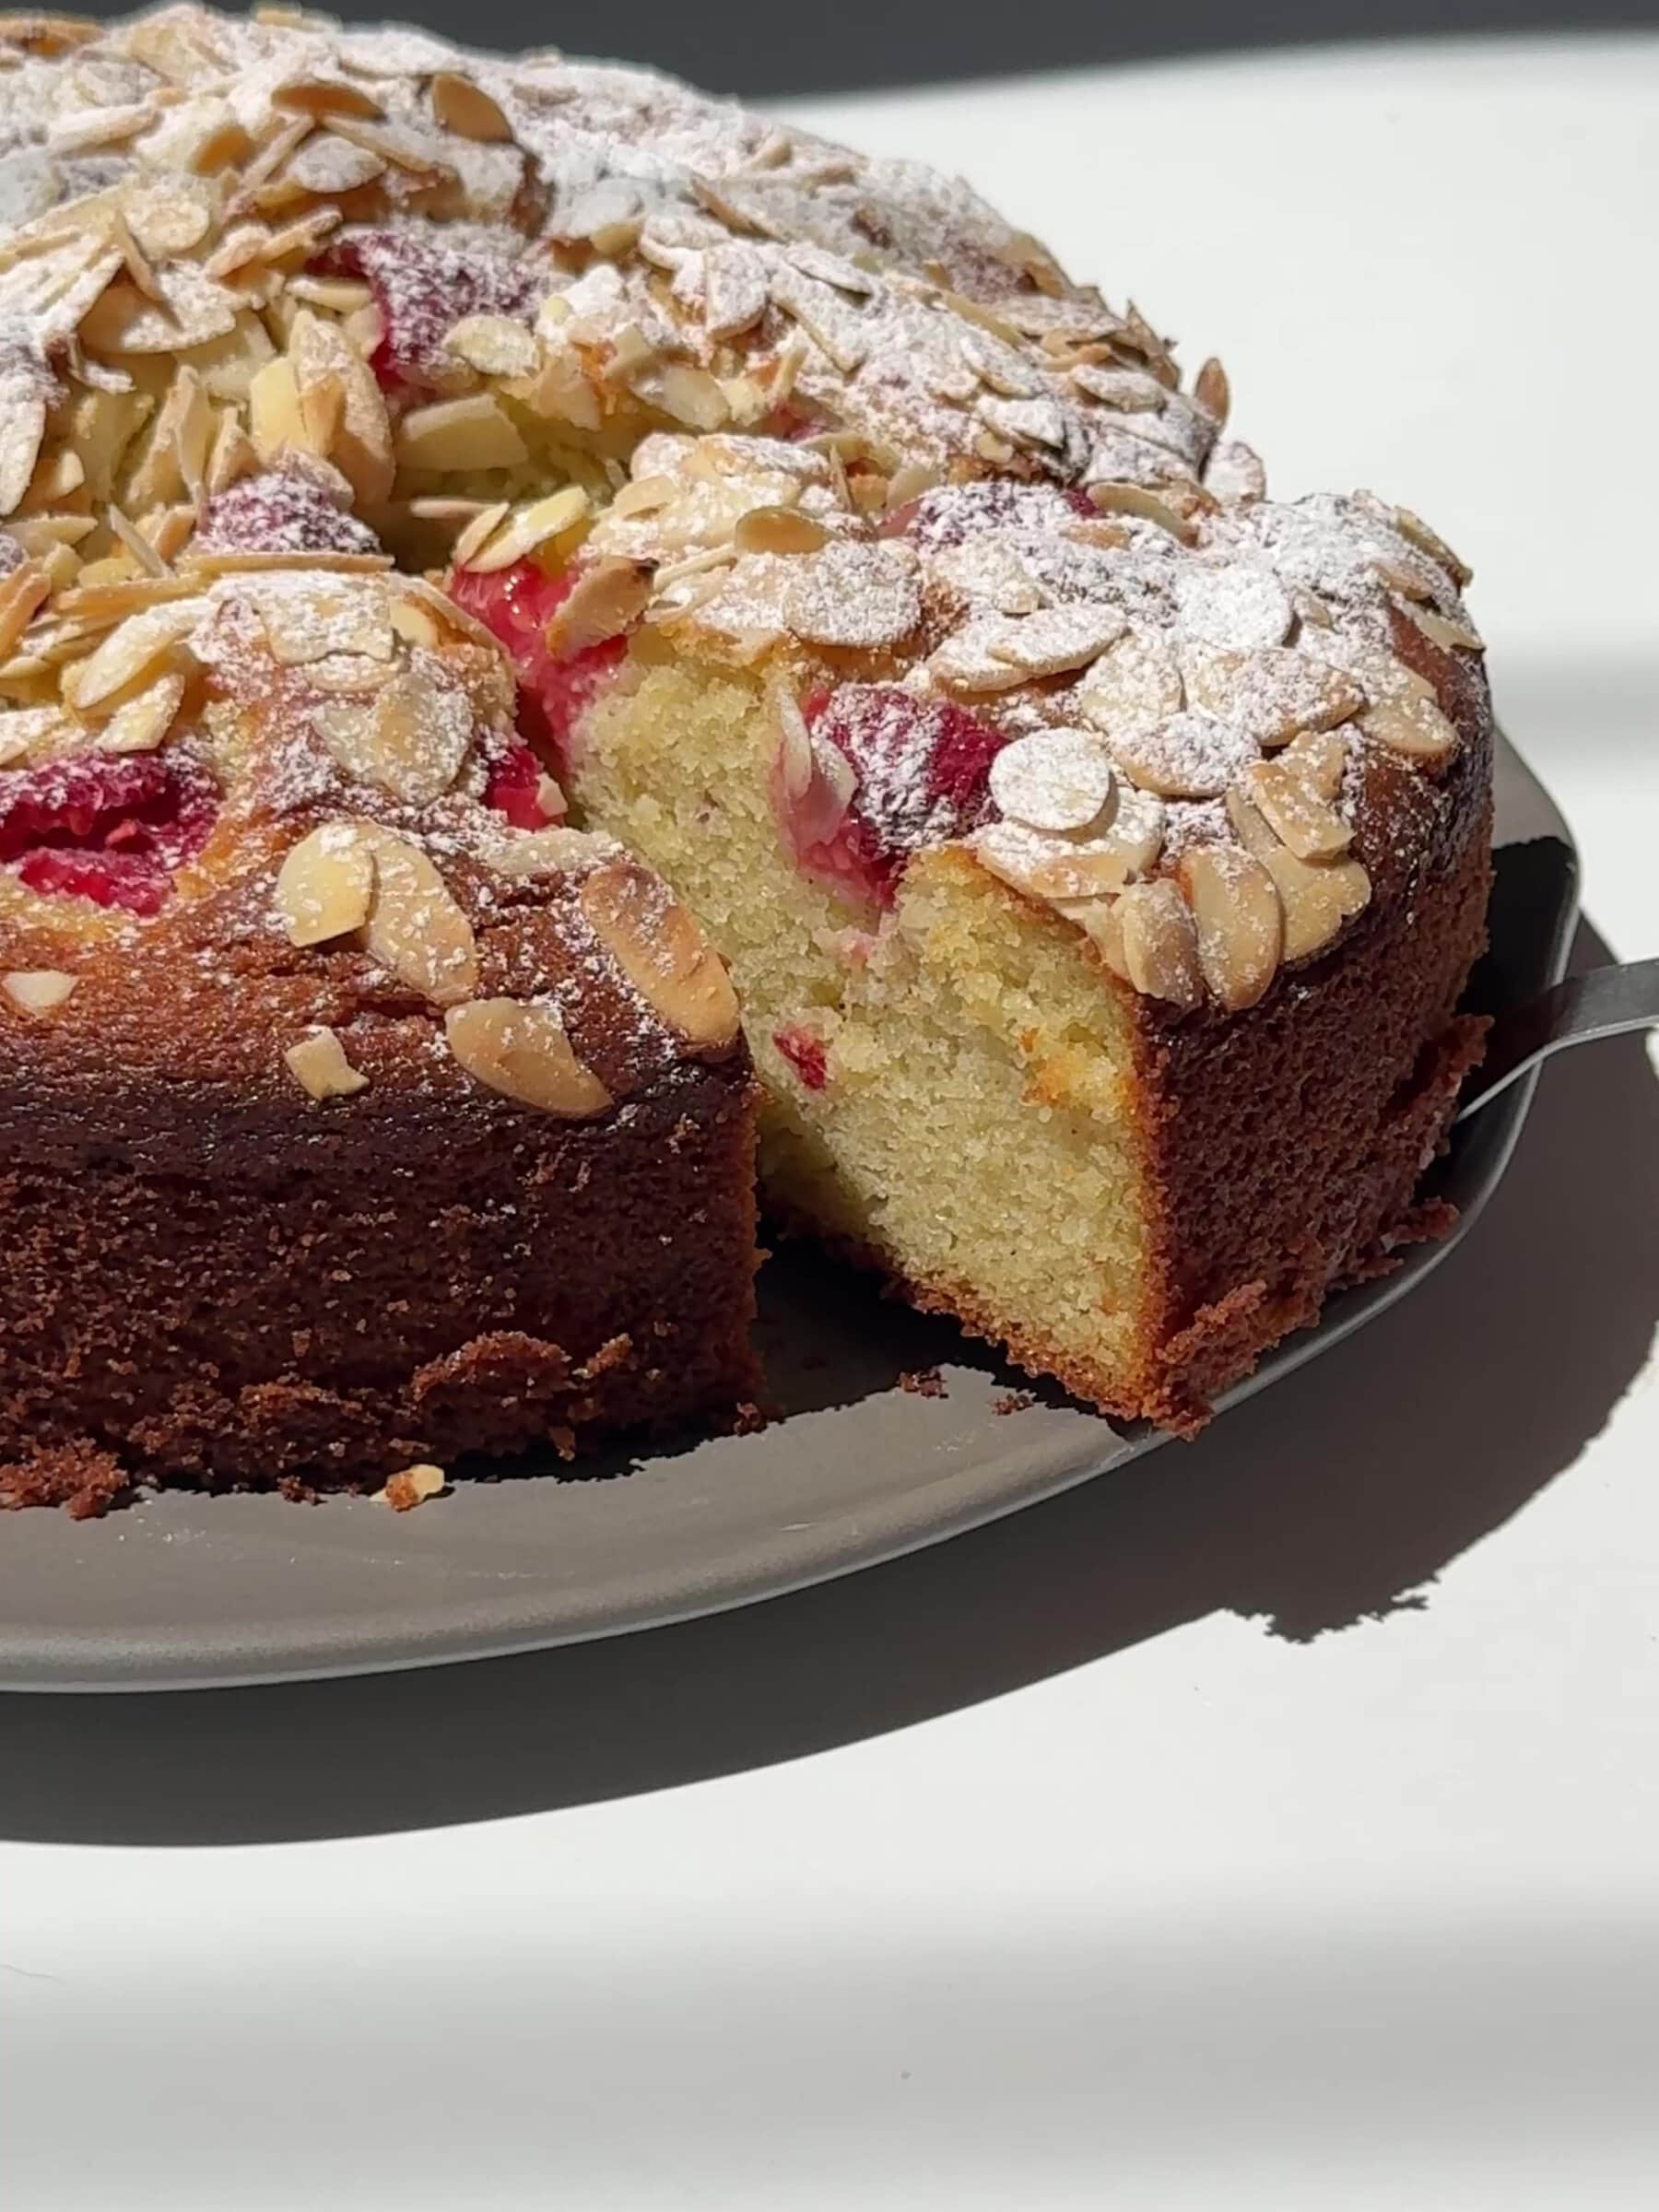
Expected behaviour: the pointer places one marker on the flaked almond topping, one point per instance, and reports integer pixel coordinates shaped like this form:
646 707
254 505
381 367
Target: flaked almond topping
317 1064
735 291
1415 727
1160 942
1320 757
1417 532
1272 693
317 618
1135 685
1055 780
855 595
360 446
140 724
556 851
779 530
1144 506
660 948
21 593
152 640
529 527
1441 630
37 990
412 1487
416 929
1188 756
1212 392
1242 607
456 436
1294 812
1052 867
324 885
607 599
494 345
522 1052
1239 921
1056 639
1317 897
467 109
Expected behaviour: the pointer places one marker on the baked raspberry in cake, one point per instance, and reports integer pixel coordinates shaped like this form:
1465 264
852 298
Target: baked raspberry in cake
1098 846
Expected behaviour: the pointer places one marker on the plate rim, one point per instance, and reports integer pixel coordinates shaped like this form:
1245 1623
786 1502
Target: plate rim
95 1661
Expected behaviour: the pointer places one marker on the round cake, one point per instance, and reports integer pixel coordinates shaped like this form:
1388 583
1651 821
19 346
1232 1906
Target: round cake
1099 848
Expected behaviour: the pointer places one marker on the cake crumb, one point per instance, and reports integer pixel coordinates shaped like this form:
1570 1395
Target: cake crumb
1014 1401
922 1382
404 1492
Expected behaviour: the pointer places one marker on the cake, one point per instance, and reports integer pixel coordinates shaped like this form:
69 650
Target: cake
1099 847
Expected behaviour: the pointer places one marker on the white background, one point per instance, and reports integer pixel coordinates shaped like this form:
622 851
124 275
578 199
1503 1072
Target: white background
1279 1830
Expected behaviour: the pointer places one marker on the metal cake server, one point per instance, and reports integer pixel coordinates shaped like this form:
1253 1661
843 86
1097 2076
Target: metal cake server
1607 1002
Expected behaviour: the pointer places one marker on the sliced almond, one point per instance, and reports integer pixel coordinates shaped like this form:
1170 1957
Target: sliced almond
1240 922
325 885
606 599
362 444
1415 727
660 948
1239 605
325 96
412 1487
1144 506
21 593
1417 532
1049 867
458 436
1055 780
1320 757
150 640
314 616
416 929
467 109
528 528
37 990
1441 630
556 851
1317 897
1161 942
1134 687
1294 812
523 1051
317 1064
494 345
22 429
857 596
1272 693
1212 392
782 530
422 732
1188 756
140 724
276 422
687 394
1057 639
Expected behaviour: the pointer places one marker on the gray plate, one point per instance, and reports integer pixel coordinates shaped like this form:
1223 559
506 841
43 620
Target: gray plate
184 1591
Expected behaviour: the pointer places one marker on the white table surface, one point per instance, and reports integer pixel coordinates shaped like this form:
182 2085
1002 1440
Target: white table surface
1274 1825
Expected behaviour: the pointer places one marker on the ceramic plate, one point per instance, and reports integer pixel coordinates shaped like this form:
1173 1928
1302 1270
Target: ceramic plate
185 1591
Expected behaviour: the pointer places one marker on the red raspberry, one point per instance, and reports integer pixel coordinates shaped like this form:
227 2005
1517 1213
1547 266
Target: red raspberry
806 1053
423 285
112 829
515 788
516 605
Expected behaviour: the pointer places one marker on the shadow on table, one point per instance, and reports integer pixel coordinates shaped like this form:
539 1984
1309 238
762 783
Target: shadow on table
1336 1496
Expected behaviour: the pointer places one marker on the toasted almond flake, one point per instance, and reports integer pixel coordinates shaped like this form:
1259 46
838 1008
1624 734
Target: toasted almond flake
522 1052
361 445
1320 757
606 599
144 642
529 527
1134 687
1240 923
333 295
317 1064
1441 630
1212 392
645 495
1417 532
494 345
686 394
1240 606
1190 756
457 436
22 430
1161 942
1294 812
467 109
317 616
1415 727
1054 867
1144 506
320 96
37 990
21 594
1057 639
276 422
412 740
1317 897
395 148
233 453
556 851
412 1487
909 482
782 530
193 310
136 544
853 595
201 566
140 724
660 948
1235 473
416 929
484 523
1058 779
736 290
324 885
824 314
1273 693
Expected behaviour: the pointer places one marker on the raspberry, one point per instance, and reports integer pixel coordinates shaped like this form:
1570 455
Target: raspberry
293 508
423 286
516 605
922 767
113 829
806 1053
515 788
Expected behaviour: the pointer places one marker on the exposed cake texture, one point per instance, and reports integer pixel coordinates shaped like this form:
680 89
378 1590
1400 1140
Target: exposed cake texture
1099 847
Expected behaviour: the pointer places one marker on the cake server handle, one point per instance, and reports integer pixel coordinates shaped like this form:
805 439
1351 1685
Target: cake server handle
1607 1002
